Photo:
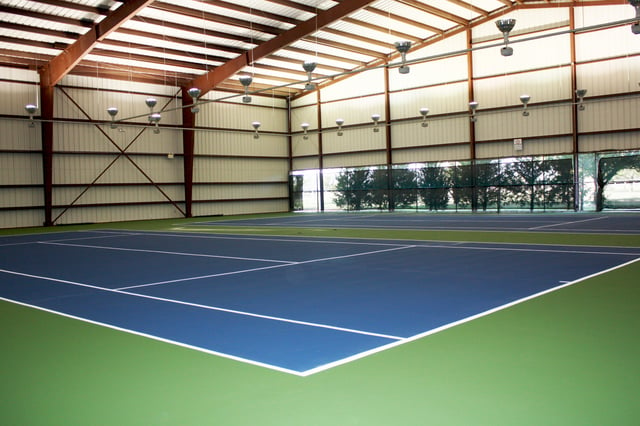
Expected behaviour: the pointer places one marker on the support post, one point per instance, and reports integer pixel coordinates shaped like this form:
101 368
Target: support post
188 144
46 114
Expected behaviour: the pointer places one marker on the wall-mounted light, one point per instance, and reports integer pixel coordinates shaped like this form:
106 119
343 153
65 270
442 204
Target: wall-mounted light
505 26
256 126
635 27
31 110
525 101
246 80
423 112
339 122
305 127
403 47
194 92
580 94
376 119
155 118
113 111
309 67
473 106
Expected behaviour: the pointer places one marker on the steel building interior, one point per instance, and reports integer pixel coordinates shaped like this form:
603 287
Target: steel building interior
116 111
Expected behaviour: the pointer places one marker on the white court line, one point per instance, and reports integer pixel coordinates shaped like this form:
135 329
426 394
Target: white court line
461 321
177 280
568 223
571 251
161 339
165 252
208 307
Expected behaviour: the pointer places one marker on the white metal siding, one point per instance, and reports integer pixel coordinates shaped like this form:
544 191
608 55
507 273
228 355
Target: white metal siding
353 111
552 120
533 146
434 153
441 131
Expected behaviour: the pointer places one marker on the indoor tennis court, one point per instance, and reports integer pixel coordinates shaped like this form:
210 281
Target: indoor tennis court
297 305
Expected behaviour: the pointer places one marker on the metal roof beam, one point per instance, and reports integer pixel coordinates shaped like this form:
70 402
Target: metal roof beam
60 66
210 80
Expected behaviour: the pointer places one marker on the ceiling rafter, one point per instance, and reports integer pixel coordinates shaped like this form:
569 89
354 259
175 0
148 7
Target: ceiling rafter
59 66
215 77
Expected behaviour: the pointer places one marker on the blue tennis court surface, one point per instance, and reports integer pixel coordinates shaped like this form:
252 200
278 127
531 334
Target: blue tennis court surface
298 305
623 223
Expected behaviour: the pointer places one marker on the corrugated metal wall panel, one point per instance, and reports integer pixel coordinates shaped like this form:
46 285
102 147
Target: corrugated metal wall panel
115 214
614 114
432 153
355 159
17 135
117 194
307 114
528 20
533 146
360 84
542 85
606 43
450 44
430 73
227 143
239 170
552 120
359 139
306 163
14 96
441 131
21 218
441 99
310 98
301 146
352 111
536 54
239 191
20 169
240 207
594 15
240 116
22 197
612 76
611 141
256 99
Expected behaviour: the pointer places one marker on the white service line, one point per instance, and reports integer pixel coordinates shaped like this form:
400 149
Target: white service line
165 252
568 223
208 307
243 271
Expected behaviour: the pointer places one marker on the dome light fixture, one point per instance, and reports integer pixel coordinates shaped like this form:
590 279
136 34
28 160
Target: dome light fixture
194 92
256 125
151 102
339 122
473 106
525 101
580 94
423 112
309 67
113 111
31 110
305 127
505 26
376 119
403 47
246 80
155 118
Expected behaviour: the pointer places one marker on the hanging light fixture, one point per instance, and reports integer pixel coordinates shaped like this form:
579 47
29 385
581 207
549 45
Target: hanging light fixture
423 112
309 67
473 106
376 119
505 26
635 27
525 101
403 47
304 127
113 111
246 80
154 118
31 110
194 92
339 122
256 126
151 102
580 94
